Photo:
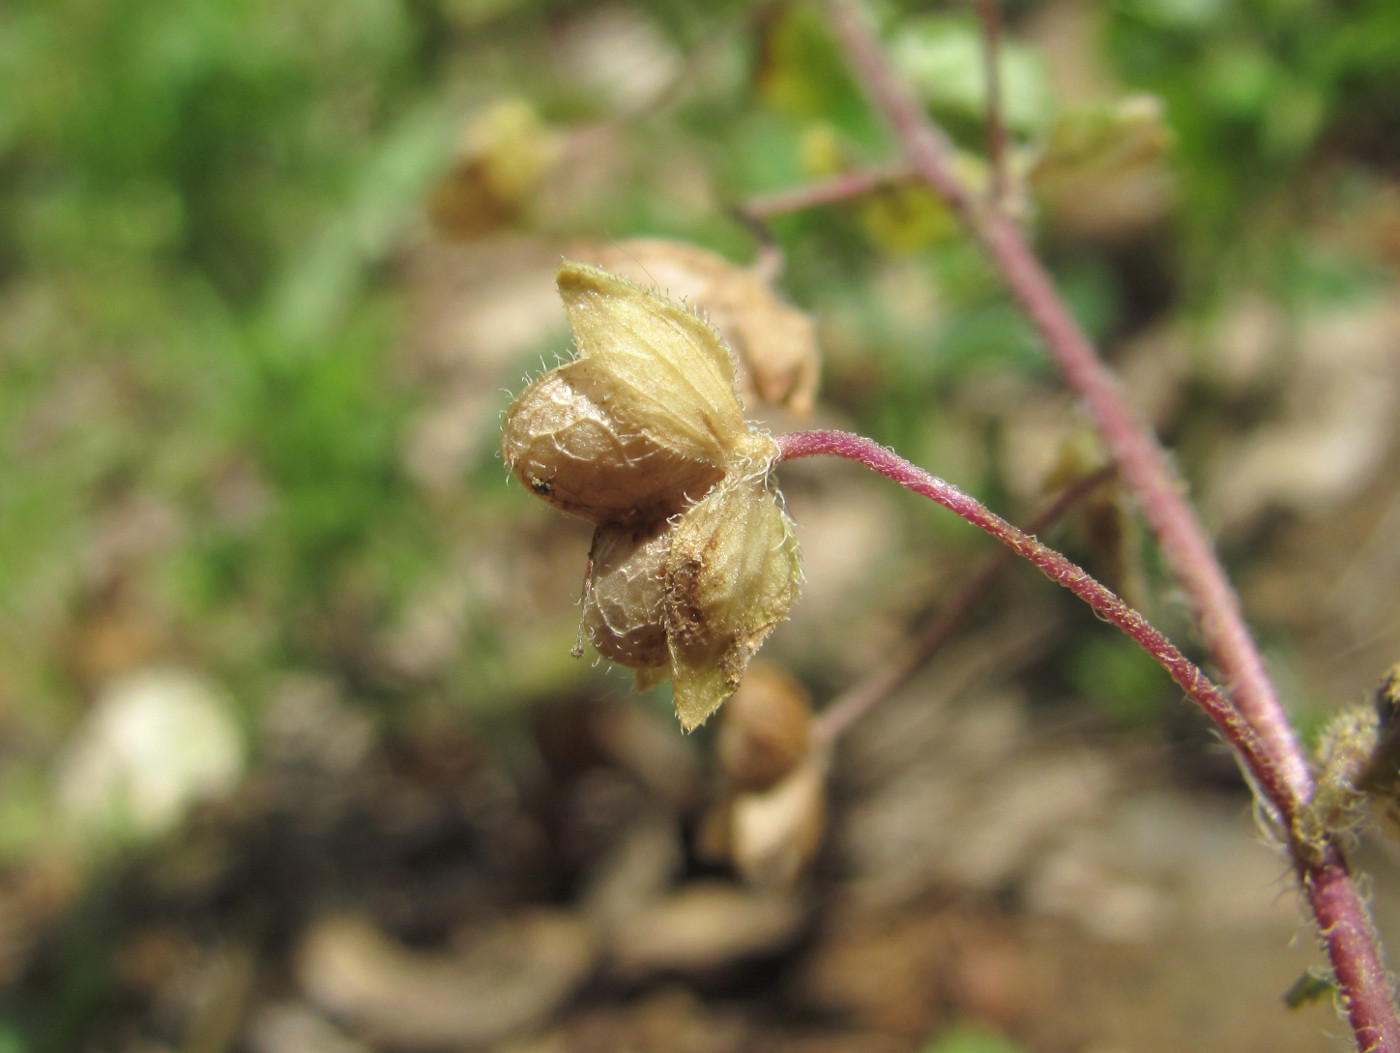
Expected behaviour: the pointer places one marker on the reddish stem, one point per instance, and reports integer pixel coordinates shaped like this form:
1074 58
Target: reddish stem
1142 461
1341 916
989 13
1064 572
827 192
859 700
1352 946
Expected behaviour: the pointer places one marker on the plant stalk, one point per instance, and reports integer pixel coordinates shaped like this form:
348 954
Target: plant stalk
836 718
989 14
1142 461
855 183
1251 718
1063 571
1341 916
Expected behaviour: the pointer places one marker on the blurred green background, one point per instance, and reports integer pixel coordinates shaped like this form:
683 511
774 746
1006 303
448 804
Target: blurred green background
268 269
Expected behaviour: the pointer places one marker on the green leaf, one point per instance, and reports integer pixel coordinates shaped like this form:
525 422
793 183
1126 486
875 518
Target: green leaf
943 57
972 1038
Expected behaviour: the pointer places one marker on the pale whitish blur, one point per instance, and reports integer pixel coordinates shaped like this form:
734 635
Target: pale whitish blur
155 743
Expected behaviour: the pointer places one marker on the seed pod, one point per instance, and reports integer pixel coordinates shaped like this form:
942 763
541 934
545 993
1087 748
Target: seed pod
568 449
775 344
733 573
694 559
622 610
660 369
643 421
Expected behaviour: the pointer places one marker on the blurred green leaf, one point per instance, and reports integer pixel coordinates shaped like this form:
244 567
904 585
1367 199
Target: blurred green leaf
1116 675
943 57
801 73
1312 986
971 1038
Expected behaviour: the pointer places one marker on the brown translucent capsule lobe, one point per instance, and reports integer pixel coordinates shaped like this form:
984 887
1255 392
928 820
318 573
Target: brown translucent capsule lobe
622 612
565 445
767 729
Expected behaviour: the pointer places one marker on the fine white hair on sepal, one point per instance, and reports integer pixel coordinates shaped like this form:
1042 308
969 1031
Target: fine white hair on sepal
643 433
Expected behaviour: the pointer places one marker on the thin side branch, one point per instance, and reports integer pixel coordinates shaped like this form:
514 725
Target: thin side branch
989 14
1282 776
850 706
1342 920
831 191
1252 718
1063 571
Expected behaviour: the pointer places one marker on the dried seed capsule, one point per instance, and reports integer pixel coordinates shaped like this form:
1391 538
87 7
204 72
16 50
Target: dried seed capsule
645 420
733 574
622 610
775 834
568 449
661 370
775 343
694 559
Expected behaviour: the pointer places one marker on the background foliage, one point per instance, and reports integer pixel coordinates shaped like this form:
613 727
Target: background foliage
245 430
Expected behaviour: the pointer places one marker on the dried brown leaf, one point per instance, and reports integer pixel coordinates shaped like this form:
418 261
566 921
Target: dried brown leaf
766 730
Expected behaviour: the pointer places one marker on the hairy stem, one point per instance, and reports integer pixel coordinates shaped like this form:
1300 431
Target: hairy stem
989 14
1352 946
1062 571
849 707
843 187
1283 776
1341 916
1141 460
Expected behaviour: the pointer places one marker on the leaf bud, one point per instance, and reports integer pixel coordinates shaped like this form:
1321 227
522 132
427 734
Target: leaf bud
1381 775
